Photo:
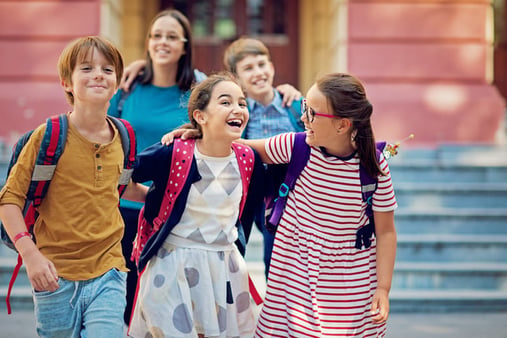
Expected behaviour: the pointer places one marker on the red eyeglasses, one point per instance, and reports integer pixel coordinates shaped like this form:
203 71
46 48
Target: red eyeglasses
310 113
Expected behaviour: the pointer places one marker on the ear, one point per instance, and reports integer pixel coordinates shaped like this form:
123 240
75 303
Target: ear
65 86
199 116
344 125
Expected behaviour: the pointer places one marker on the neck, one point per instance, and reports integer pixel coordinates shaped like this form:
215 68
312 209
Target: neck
89 117
264 99
213 148
342 148
164 76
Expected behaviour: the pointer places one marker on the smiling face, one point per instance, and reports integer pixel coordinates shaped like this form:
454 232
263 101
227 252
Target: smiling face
256 73
226 114
166 42
322 131
93 80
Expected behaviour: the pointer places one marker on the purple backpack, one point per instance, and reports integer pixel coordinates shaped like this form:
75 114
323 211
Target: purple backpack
282 179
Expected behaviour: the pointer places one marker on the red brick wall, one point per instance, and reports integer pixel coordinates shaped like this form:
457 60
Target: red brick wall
425 66
32 35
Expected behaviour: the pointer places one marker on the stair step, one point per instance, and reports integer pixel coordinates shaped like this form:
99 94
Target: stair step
446 276
451 248
422 223
451 195
448 301
452 238
21 298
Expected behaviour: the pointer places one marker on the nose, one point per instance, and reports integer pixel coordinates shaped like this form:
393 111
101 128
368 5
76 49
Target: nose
98 72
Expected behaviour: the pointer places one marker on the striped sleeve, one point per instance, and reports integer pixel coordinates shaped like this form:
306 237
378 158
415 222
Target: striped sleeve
279 147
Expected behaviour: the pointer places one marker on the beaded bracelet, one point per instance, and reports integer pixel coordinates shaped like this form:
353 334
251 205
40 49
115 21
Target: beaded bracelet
19 236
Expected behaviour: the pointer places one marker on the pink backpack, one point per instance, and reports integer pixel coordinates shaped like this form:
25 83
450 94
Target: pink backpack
181 162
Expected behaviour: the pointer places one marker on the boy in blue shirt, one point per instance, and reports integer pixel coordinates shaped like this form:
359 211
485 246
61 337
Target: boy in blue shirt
250 61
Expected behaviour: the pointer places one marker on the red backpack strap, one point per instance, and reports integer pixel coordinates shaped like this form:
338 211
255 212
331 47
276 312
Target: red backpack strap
181 161
246 159
51 149
128 142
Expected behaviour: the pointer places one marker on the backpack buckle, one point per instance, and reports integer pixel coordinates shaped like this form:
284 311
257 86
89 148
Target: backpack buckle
283 191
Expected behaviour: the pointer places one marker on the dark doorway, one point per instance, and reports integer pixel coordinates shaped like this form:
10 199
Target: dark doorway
216 23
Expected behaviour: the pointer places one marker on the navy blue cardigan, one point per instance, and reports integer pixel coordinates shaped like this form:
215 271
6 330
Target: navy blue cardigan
153 165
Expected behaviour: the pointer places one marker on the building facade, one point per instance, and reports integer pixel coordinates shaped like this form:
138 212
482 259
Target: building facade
437 69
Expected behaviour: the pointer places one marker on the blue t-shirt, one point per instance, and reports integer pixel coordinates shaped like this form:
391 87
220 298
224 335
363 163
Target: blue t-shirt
152 111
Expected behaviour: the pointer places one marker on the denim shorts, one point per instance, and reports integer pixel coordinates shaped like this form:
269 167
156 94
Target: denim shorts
92 308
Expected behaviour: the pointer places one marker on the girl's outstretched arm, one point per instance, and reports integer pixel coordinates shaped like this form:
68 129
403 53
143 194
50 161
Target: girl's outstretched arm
258 145
385 234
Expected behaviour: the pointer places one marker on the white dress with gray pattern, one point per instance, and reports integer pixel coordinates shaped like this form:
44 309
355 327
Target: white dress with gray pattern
198 282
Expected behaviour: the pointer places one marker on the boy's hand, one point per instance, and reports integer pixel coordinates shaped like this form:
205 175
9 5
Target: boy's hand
41 271
130 73
289 94
168 138
380 306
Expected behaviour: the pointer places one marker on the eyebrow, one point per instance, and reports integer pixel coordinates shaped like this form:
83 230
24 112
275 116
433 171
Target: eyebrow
230 96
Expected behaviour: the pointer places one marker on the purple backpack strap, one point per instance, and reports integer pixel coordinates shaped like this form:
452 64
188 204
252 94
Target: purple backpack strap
368 187
298 160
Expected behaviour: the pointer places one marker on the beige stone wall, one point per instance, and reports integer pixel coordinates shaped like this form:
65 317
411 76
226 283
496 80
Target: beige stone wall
110 20
125 22
323 39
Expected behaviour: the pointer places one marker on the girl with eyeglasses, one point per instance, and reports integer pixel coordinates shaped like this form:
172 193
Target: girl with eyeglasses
319 283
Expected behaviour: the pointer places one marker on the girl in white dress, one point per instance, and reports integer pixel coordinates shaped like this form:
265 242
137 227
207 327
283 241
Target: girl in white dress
193 280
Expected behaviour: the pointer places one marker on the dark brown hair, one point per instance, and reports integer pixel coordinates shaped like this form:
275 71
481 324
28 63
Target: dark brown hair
201 97
185 75
347 97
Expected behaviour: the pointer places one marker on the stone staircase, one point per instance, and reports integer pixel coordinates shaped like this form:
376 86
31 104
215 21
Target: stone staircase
452 233
452 229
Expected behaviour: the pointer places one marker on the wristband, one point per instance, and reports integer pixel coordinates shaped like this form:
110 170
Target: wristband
19 236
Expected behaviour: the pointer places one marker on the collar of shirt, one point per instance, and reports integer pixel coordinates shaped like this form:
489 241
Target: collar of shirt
277 102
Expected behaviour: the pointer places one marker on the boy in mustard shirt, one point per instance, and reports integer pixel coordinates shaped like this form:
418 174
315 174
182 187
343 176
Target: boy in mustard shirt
76 268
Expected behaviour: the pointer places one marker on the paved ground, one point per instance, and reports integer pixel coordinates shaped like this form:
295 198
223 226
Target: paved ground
412 325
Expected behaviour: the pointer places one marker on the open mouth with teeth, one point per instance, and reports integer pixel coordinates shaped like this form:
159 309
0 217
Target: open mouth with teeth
235 123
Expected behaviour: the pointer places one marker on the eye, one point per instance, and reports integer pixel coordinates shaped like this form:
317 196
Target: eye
156 36
109 70
225 102
242 104
85 67
173 37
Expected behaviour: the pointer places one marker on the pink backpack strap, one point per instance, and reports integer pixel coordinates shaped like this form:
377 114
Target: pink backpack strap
181 161
246 159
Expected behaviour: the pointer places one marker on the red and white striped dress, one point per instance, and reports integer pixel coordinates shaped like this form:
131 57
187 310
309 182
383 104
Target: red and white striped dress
319 284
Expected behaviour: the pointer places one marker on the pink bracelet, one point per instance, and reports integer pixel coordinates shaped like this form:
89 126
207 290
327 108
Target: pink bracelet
19 236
